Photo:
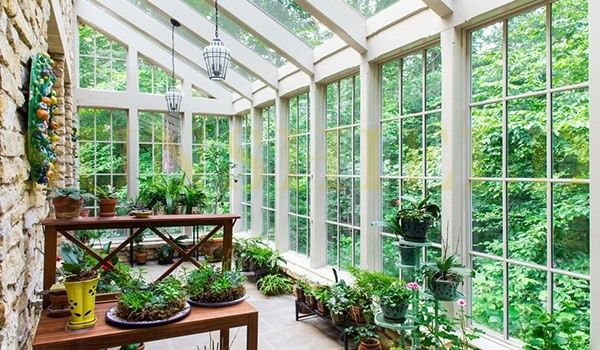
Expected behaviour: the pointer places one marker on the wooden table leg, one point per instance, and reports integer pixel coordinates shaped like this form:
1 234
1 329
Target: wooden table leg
227 249
252 336
50 241
224 334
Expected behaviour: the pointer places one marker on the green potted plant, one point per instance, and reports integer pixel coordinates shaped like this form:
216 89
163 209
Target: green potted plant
263 260
81 283
339 302
366 337
408 254
274 284
358 298
299 288
416 218
67 201
141 252
394 301
444 276
322 295
192 197
107 200
210 285
309 295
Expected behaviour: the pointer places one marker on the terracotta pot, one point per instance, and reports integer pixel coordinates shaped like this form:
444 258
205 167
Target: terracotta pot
84 212
369 344
66 208
356 314
107 207
311 301
141 257
299 292
59 305
322 308
212 249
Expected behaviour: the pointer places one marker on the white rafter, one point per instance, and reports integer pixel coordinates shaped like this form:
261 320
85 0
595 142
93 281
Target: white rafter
340 18
441 7
199 25
146 24
264 27
97 18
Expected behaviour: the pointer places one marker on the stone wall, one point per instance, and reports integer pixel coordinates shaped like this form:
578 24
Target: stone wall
23 32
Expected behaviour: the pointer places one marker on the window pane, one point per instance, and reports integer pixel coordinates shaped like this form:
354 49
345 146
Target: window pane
486 63
527 52
570 136
434 144
332 152
487 222
332 199
346 248
390 190
346 151
570 42
488 298
527 221
332 245
390 256
526 287
434 78
332 105
571 214
486 140
572 303
527 138
346 92
412 146
412 84
390 157
390 73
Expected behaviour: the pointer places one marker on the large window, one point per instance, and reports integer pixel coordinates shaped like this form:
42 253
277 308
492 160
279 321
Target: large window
102 61
268 173
245 173
103 162
299 173
530 167
153 79
410 139
343 173
211 164
160 143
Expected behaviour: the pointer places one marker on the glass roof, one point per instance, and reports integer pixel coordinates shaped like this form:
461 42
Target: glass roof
297 20
370 7
207 10
196 40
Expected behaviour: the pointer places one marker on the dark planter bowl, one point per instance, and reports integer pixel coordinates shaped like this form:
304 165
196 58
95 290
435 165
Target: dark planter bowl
395 314
408 255
444 290
415 231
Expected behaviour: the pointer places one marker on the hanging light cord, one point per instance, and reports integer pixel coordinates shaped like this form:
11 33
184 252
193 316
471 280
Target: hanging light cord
216 18
173 55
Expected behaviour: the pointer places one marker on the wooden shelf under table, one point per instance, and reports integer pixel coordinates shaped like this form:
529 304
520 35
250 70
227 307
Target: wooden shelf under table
52 335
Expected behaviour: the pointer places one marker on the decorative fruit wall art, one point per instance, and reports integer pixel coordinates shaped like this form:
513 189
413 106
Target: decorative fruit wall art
42 125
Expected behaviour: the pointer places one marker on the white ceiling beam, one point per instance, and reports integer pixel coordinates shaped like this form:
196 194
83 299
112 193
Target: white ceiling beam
340 18
261 25
97 18
201 26
441 7
146 24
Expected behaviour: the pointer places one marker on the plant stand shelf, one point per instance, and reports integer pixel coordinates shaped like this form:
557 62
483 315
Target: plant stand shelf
313 313
51 333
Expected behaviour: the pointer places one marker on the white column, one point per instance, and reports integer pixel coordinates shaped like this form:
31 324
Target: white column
133 126
455 184
187 157
282 203
594 32
370 240
256 170
318 190
236 182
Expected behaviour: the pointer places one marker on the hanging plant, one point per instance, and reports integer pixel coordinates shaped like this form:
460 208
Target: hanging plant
42 125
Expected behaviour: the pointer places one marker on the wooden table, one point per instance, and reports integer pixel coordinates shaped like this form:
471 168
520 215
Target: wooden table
51 333
137 226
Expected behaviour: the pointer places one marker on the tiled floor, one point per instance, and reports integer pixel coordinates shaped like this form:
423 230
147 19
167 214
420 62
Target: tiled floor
278 329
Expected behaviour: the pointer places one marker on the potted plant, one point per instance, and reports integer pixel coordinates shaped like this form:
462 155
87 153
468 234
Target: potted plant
358 298
299 288
263 260
444 276
394 301
366 337
192 197
416 218
81 283
309 295
274 284
141 253
211 286
408 254
339 302
166 251
107 199
322 295
157 302
67 202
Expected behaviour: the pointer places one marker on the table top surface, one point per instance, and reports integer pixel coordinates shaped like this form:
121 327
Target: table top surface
130 221
52 334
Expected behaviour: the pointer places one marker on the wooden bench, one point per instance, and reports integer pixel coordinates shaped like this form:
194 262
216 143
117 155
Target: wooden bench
51 333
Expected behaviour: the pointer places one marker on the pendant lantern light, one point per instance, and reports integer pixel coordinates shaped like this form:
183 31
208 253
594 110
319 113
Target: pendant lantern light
173 95
216 55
